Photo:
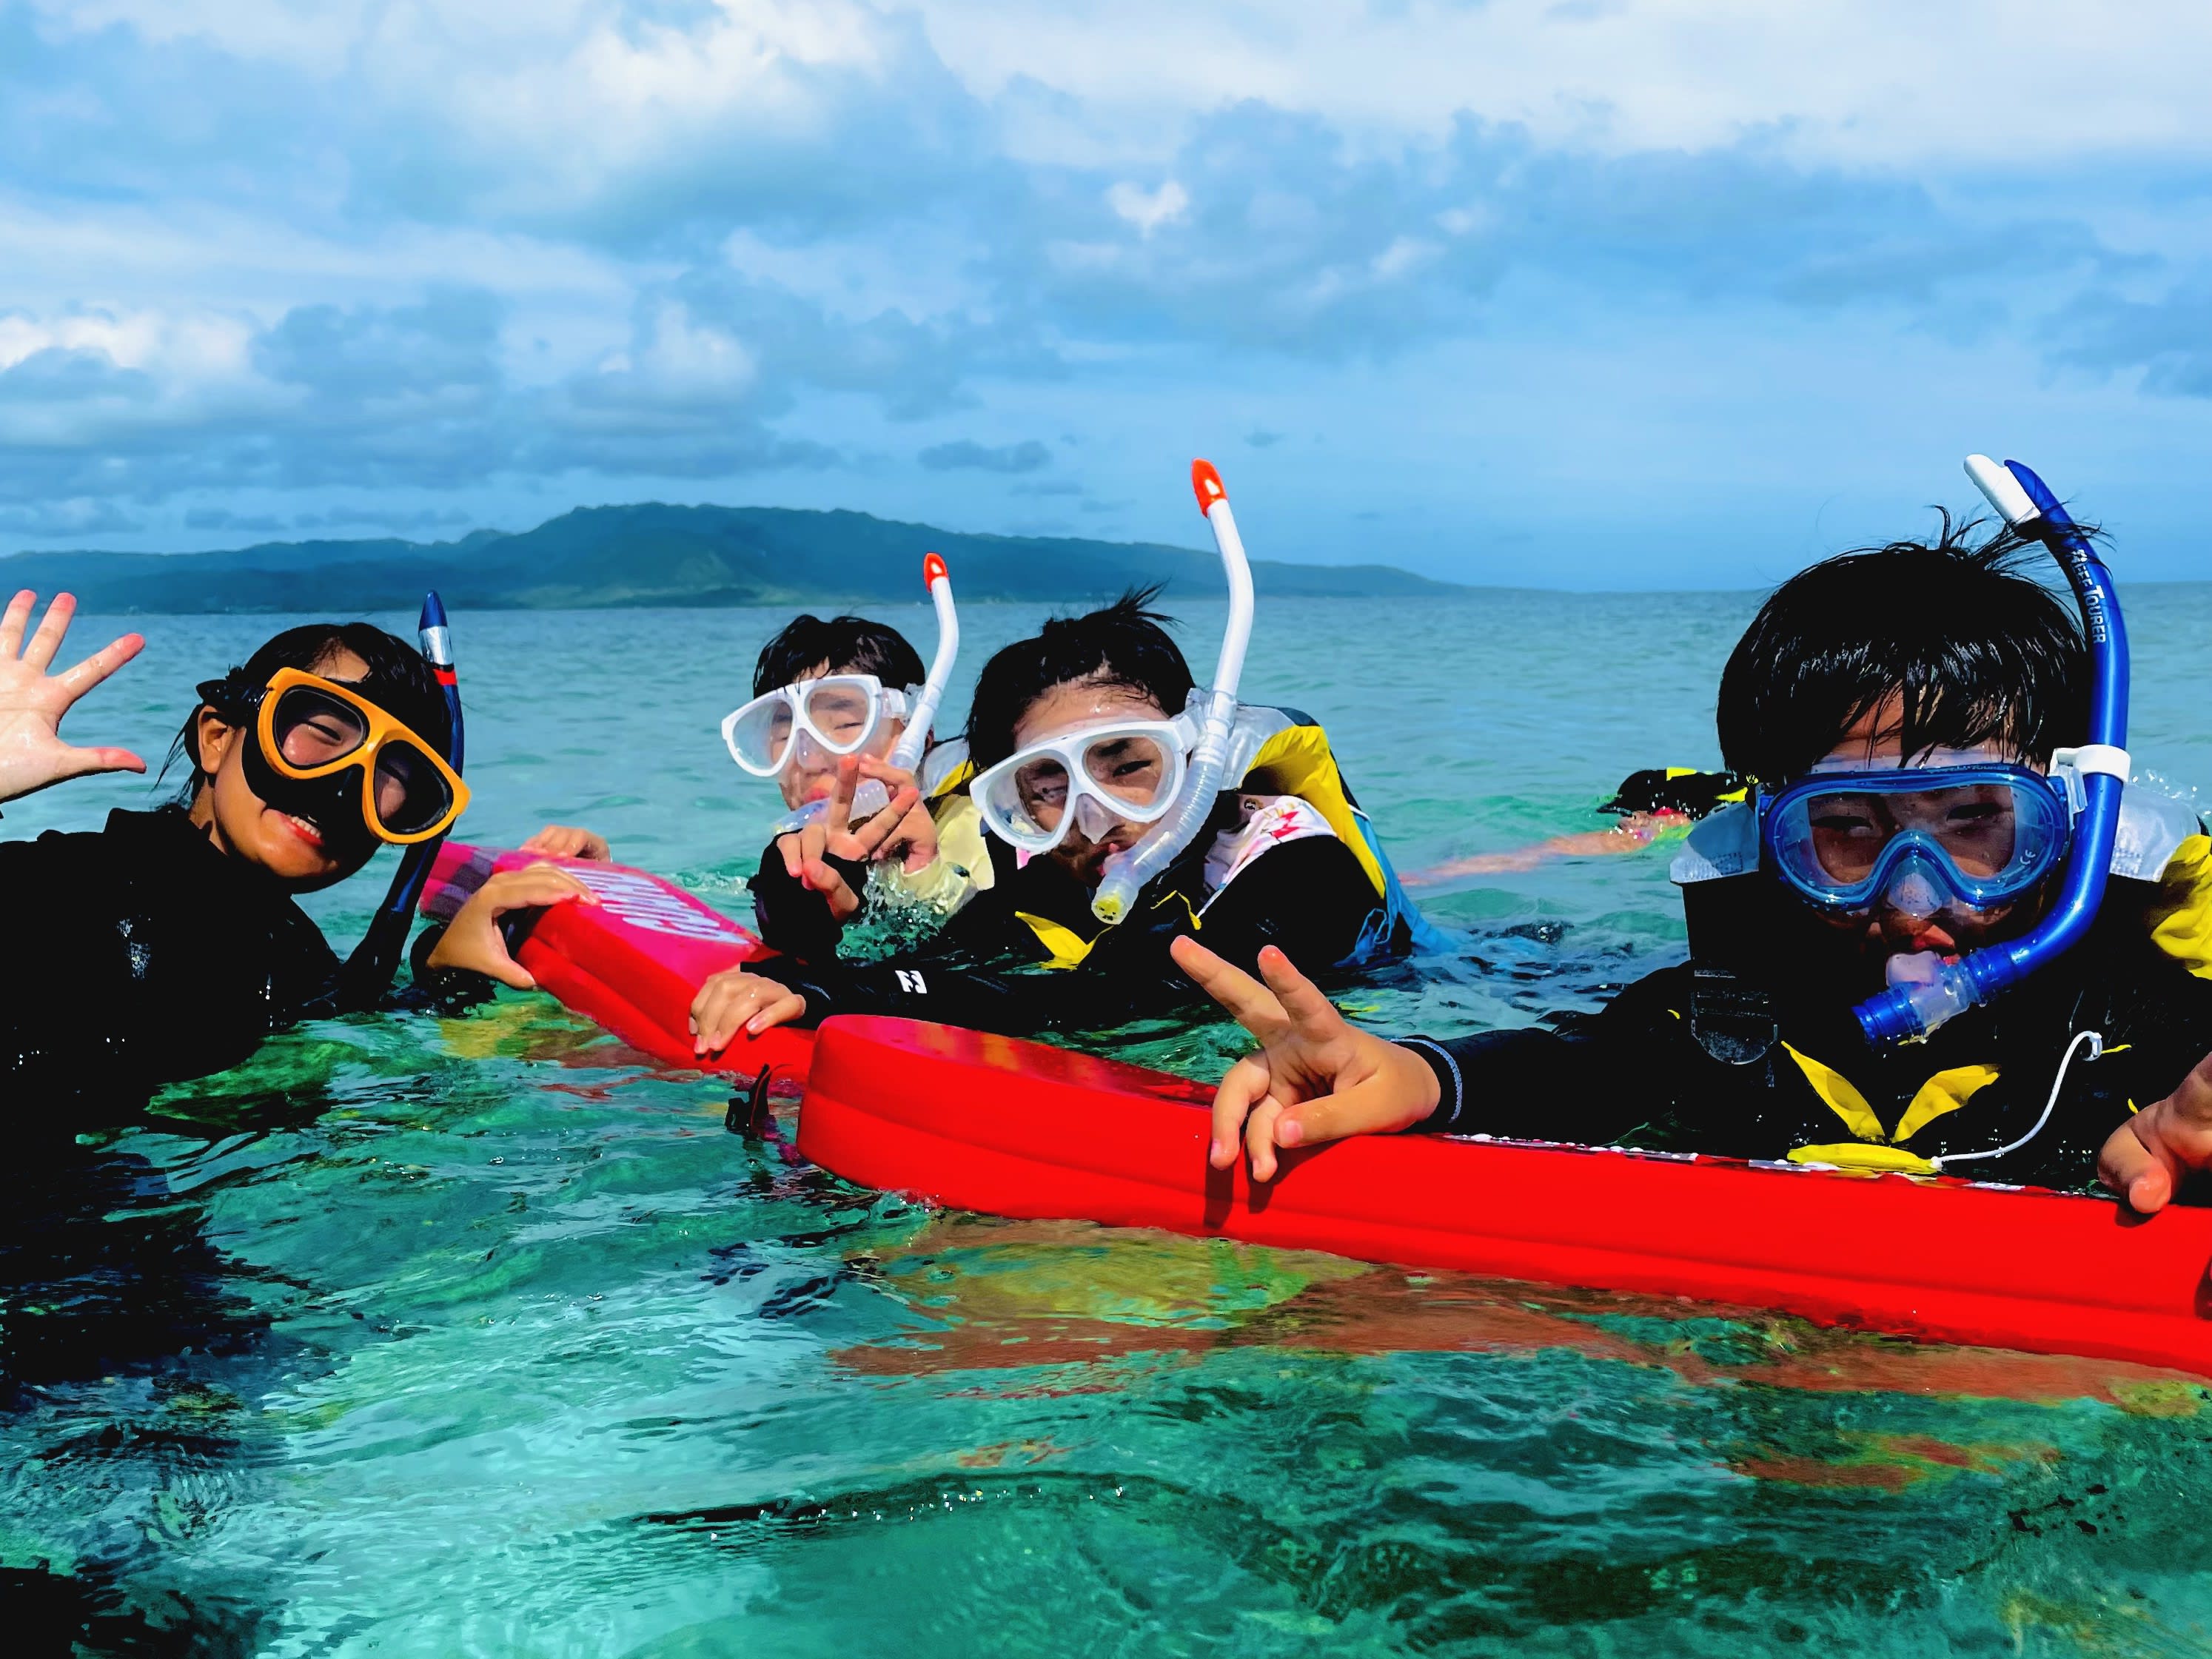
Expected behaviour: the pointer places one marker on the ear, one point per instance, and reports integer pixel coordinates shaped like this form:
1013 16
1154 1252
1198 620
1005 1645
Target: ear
216 737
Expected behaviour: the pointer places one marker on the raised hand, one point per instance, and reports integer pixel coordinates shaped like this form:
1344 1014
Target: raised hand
2146 1158
806 852
1316 1077
33 701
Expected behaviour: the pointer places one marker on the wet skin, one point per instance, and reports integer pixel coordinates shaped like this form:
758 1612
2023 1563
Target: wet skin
295 850
1070 707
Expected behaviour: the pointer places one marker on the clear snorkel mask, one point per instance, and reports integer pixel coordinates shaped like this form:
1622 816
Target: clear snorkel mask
812 722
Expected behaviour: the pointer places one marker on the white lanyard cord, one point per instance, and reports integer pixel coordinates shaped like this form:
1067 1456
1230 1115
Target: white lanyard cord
2096 1041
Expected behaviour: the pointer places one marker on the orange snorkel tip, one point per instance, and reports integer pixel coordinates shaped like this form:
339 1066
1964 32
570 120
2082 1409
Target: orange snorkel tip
1205 484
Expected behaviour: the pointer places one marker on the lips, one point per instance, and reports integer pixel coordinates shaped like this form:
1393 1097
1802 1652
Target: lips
304 829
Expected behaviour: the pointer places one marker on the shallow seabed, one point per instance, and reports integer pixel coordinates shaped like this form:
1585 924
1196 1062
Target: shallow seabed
481 1336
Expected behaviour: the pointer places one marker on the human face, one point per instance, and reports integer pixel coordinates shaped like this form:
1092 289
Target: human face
811 774
300 853
1912 916
1071 707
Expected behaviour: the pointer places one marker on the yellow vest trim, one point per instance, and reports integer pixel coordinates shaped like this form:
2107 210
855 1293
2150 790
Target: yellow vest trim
1068 947
1843 1098
2181 918
1857 1155
1946 1091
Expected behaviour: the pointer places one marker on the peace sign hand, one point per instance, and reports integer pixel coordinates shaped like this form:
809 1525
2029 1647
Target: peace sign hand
806 852
1316 1077
33 701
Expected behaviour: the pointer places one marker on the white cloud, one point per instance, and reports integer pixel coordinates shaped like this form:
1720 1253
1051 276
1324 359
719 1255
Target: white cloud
1149 209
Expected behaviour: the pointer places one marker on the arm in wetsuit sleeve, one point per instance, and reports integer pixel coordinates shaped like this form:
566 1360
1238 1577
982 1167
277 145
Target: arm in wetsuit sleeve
793 918
1309 897
1589 1083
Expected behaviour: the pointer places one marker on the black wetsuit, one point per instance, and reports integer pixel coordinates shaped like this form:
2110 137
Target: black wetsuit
1699 1058
141 956
986 969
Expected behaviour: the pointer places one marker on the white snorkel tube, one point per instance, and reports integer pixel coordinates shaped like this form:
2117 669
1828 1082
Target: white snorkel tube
906 754
871 797
1127 872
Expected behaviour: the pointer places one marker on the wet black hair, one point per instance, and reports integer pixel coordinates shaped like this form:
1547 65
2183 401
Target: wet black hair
1975 650
398 682
1125 645
848 645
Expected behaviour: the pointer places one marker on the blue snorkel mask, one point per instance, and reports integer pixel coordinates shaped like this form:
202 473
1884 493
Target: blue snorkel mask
1989 833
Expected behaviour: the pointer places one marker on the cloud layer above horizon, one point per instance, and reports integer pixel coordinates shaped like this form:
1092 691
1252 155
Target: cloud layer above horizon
1595 293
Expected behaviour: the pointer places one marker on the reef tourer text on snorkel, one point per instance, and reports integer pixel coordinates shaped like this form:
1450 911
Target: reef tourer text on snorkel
1906 1011
1126 873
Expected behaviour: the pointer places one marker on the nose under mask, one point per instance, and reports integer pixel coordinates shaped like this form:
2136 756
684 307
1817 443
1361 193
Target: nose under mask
1914 891
1092 821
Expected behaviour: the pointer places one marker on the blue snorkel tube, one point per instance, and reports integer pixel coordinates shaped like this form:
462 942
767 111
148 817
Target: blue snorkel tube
1905 1014
367 972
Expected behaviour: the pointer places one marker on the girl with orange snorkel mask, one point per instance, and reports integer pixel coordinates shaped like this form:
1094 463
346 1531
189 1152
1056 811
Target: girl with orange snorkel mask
168 944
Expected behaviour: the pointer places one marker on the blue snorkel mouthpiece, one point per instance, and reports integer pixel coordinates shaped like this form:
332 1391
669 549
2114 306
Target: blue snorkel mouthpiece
1905 1014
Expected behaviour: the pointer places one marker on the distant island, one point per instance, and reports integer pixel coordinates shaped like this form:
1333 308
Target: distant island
599 557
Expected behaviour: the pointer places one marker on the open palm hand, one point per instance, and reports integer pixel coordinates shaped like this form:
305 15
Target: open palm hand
33 701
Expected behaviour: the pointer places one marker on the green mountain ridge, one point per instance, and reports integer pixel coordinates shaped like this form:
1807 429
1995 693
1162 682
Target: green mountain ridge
652 554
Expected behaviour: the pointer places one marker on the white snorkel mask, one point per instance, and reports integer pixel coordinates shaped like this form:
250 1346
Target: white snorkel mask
1126 873
917 706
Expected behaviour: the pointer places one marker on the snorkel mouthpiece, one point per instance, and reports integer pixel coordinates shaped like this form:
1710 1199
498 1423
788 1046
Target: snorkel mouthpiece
1126 873
1905 1013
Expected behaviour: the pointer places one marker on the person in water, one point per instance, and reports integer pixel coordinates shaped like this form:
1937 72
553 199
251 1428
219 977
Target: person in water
1656 805
830 704
1078 747
1900 706
169 944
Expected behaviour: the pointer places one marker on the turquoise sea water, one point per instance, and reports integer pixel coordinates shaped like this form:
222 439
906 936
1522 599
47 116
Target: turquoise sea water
482 1336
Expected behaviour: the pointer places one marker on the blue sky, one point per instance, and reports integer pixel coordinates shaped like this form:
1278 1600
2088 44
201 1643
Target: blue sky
1581 293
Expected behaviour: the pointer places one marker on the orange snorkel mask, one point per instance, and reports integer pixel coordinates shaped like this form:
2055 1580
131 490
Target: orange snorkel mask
311 735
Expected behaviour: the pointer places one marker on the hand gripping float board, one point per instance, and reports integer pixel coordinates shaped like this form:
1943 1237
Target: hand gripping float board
631 962
1012 1128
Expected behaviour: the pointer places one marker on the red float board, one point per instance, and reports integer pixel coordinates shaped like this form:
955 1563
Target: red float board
633 962
1019 1129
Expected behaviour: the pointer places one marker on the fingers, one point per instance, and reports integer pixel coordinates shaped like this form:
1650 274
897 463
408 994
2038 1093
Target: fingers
736 1001
13 621
840 796
877 830
789 849
835 891
80 763
1249 1003
100 665
39 653
1242 1085
1260 1137
2131 1169
539 885
1312 1013
563 841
